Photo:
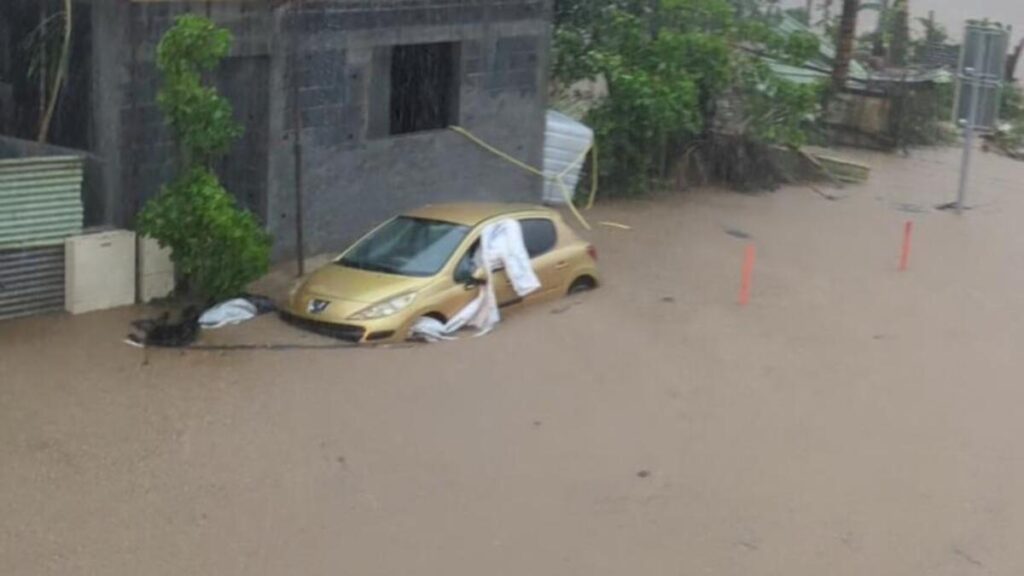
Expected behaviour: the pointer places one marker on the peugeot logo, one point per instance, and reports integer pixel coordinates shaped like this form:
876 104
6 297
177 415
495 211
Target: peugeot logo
318 306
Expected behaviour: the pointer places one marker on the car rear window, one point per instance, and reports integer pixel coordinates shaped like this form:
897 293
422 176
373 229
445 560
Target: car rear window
539 235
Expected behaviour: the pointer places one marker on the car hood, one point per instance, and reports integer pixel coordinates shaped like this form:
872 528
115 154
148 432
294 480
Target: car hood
335 281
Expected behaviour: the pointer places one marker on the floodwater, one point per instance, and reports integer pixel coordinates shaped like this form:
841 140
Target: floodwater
851 420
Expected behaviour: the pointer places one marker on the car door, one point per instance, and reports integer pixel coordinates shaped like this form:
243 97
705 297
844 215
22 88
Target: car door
541 238
503 291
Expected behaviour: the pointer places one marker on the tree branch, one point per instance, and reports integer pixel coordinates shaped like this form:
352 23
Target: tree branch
58 79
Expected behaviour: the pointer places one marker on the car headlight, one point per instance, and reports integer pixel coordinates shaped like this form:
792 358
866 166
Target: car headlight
386 308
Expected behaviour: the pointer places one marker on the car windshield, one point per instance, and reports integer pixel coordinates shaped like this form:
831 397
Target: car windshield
407 247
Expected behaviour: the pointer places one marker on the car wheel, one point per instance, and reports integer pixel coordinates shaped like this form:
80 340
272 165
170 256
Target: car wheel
582 284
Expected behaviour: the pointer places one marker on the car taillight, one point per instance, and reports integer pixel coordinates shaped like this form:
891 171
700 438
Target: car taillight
592 251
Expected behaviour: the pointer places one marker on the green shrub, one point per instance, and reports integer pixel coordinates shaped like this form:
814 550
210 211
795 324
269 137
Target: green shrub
218 247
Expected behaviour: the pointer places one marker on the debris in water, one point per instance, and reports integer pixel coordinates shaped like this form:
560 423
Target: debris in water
162 333
912 208
950 206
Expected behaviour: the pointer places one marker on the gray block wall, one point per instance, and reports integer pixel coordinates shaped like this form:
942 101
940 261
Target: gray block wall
354 176
147 151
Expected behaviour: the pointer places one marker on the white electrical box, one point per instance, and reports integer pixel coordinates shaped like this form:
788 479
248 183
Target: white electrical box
156 271
99 271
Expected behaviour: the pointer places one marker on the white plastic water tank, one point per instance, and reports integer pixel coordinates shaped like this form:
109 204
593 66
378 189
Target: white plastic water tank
156 270
99 271
565 141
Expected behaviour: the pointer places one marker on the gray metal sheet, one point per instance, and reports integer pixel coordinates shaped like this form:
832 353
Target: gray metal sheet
40 200
31 281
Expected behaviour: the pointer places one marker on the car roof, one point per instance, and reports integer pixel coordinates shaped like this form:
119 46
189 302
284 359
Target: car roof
471 213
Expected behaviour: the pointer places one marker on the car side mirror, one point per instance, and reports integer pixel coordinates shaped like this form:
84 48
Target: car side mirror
472 279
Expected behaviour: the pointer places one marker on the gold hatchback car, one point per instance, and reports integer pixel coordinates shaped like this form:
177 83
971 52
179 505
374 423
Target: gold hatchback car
421 264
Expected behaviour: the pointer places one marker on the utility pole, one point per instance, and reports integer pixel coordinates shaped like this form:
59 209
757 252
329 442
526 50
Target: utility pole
296 81
845 39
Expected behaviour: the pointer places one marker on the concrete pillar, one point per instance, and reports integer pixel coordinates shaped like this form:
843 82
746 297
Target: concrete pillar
110 75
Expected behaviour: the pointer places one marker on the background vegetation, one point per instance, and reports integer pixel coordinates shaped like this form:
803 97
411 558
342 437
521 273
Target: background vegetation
682 77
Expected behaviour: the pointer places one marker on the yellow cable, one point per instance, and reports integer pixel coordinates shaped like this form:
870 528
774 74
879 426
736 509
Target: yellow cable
572 206
495 151
593 177
557 179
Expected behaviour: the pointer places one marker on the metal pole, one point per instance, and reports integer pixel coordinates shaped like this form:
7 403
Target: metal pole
975 78
296 41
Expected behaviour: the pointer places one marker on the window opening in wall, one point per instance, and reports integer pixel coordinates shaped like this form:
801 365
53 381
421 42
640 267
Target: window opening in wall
424 87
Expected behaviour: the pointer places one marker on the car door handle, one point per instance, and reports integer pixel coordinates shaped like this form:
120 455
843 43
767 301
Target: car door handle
561 265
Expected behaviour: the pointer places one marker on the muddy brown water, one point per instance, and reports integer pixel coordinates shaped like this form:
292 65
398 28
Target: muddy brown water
851 420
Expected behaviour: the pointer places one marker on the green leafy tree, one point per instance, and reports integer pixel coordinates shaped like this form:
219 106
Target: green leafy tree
668 66
1011 137
900 33
217 247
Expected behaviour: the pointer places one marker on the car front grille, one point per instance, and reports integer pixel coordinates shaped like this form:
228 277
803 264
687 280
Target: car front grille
345 332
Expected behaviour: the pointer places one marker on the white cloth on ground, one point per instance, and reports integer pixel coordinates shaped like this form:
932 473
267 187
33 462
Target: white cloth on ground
228 313
501 246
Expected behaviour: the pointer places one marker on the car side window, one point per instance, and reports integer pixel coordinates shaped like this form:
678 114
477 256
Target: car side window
539 235
465 267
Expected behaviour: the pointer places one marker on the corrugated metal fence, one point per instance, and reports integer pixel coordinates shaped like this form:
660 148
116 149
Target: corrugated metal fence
40 206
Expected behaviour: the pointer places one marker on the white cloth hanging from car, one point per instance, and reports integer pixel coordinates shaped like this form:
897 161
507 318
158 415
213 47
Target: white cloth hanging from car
501 247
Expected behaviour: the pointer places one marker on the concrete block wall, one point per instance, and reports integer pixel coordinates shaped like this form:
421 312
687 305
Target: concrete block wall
353 176
148 151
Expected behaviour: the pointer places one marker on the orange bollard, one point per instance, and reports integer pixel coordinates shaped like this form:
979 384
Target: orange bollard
908 234
748 275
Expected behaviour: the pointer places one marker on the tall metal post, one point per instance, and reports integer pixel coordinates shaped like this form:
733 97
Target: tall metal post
974 76
296 66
